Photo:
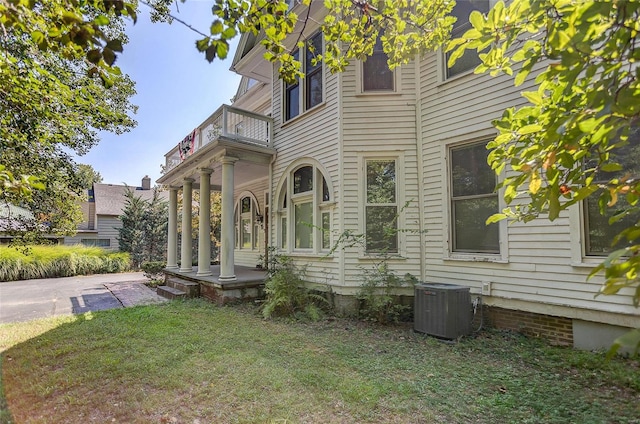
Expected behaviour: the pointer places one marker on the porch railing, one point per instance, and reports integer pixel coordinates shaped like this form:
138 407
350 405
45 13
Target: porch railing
229 122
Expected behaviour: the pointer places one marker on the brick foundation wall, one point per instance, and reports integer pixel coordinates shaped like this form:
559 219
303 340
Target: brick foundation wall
557 330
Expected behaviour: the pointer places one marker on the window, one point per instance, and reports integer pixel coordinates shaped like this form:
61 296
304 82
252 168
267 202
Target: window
304 215
376 75
303 207
599 233
302 97
469 59
246 223
292 95
96 242
473 200
381 208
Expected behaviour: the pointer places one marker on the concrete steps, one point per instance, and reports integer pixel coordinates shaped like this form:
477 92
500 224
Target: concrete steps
170 292
176 289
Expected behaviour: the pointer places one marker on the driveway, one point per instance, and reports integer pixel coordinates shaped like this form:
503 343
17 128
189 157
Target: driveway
31 299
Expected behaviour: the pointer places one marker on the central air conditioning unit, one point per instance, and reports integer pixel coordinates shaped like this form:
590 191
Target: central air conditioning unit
442 310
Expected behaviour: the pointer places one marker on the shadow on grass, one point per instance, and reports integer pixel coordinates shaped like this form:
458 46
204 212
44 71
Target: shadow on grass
191 361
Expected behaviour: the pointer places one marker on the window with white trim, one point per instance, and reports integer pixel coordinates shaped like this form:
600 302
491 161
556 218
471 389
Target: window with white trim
381 206
376 75
246 223
300 96
473 199
470 58
598 232
99 242
304 214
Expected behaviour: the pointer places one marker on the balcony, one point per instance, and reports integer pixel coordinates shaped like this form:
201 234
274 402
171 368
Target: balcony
229 123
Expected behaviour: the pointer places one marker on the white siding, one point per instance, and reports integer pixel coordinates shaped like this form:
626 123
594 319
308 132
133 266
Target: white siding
380 125
538 267
313 135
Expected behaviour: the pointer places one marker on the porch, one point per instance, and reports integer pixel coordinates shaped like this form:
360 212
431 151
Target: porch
248 285
231 148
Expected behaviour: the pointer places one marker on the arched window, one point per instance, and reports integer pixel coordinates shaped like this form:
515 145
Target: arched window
247 222
304 209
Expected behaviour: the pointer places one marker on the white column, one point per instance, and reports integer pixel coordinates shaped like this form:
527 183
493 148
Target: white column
172 235
185 248
227 242
204 224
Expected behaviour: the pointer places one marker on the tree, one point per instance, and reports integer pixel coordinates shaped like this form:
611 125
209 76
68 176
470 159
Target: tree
215 210
156 221
578 138
54 99
88 176
144 228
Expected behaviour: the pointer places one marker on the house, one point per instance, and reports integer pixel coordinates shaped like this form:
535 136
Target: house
298 165
102 212
15 220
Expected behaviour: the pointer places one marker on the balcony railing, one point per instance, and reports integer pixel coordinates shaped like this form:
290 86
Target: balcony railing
228 122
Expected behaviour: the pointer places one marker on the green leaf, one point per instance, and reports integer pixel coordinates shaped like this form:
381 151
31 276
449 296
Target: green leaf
533 96
101 20
37 37
629 340
115 45
202 44
216 27
109 56
210 53
554 208
530 129
477 20
94 56
496 217
611 167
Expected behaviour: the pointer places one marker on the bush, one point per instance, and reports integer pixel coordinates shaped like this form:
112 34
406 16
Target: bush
58 261
378 295
286 293
153 270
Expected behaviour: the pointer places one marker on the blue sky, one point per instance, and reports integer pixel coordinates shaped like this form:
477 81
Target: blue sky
176 88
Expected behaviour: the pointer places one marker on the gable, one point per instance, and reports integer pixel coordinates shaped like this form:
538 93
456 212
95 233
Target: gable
110 199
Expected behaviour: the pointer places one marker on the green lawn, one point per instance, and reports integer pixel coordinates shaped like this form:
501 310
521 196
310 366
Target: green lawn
192 362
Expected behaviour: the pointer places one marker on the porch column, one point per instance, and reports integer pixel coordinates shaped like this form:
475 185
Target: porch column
227 271
204 224
172 235
185 248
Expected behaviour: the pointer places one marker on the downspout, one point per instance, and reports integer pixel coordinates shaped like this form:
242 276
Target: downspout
340 252
420 161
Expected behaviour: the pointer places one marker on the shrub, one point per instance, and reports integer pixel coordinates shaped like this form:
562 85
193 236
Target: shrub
378 297
153 270
286 292
58 261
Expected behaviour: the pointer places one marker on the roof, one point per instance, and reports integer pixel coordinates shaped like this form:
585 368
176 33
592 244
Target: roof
8 210
110 199
12 217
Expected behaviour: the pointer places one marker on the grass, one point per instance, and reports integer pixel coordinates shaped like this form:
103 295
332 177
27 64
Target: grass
58 261
188 362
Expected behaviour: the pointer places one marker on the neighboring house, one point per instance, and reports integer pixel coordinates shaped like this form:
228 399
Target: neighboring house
300 164
15 219
102 212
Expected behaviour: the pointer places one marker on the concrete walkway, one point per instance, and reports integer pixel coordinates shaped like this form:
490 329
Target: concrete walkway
32 299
